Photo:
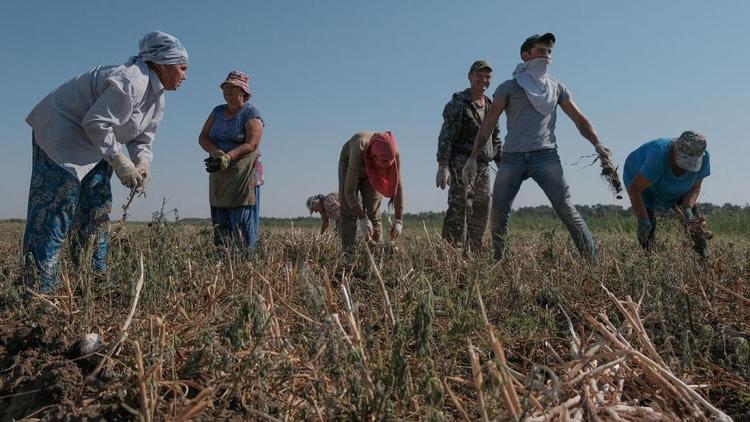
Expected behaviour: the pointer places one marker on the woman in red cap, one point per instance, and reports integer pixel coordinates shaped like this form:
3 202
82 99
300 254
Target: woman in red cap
231 136
370 166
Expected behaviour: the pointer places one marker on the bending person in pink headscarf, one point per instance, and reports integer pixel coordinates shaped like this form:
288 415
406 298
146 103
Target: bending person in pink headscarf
370 167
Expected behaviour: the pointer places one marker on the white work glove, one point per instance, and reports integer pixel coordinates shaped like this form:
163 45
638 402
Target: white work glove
443 177
364 227
396 229
469 170
602 150
144 170
125 171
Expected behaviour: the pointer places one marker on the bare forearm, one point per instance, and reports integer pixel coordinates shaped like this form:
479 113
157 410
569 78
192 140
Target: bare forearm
586 129
241 151
207 144
691 198
358 211
483 135
398 204
352 200
636 201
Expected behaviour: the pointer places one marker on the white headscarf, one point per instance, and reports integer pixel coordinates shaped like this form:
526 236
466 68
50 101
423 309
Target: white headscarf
162 48
541 89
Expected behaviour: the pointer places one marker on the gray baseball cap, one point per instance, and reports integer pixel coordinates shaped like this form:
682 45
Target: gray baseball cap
479 65
537 38
689 149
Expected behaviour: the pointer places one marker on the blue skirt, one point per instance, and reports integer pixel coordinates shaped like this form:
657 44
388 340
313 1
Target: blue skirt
237 226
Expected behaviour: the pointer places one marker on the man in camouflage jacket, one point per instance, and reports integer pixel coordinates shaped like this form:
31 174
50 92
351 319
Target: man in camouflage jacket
468 206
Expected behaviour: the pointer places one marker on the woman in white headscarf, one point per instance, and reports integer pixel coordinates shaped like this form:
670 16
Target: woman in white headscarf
80 132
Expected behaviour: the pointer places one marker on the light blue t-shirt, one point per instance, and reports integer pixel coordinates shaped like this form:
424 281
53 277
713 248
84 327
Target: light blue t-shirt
652 161
528 130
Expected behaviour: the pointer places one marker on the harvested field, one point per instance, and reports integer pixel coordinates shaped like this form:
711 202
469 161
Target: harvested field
295 334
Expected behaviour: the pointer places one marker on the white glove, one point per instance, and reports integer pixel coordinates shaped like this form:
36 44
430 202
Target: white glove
125 171
443 177
144 169
396 229
469 170
364 227
602 150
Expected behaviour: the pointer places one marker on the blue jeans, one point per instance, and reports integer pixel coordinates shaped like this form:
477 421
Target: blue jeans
544 167
58 204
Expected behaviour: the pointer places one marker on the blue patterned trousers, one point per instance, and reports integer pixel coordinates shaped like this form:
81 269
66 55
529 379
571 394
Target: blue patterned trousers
58 204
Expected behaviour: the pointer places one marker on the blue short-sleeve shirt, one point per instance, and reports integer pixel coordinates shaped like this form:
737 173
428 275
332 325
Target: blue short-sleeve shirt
229 133
652 161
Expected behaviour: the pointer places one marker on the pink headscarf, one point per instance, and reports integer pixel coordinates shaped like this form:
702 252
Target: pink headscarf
383 179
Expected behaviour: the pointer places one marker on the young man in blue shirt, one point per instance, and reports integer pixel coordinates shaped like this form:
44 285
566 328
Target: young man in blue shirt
666 173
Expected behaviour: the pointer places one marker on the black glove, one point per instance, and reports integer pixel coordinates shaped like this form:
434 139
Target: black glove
212 164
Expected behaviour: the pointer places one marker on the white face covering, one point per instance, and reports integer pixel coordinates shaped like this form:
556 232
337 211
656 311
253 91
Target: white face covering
541 90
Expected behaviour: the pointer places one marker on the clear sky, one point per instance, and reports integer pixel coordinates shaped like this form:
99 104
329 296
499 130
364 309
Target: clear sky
322 70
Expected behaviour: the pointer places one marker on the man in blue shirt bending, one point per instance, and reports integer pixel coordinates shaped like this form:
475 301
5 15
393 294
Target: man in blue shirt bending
666 173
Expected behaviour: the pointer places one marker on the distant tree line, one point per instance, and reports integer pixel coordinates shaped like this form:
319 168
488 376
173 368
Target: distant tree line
589 211
537 212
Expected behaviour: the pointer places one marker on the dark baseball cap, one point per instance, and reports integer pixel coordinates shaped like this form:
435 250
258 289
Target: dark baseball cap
535 39
479 65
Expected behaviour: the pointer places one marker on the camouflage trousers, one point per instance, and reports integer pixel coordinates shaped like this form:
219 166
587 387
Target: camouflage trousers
467 209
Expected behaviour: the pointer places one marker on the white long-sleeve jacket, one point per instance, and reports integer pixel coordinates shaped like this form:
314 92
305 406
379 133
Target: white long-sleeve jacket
91 117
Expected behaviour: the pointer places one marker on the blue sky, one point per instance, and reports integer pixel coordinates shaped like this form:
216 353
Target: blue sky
322 70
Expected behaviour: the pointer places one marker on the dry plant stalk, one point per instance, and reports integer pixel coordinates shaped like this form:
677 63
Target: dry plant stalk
200 401
367 381
508 391
284 303
652 366
278 339
142 389
133 193
386 300
476 370
352 321
44 299
357 342
456 402
124 329
735 294
597 375
427 234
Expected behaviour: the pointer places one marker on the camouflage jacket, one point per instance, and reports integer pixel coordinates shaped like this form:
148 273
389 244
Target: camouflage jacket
460 125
